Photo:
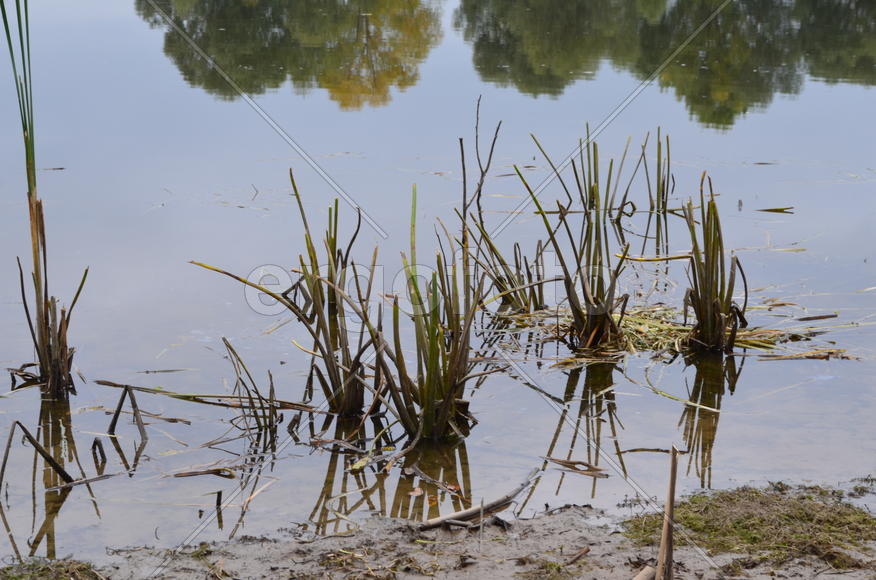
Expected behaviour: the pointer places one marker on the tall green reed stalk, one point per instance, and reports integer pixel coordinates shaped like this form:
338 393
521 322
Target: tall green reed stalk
428 398
589 271
658 196
48 327
712 282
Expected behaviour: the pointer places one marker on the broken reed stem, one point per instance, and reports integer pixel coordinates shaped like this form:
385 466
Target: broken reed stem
664 559
62 473
482 508
128 392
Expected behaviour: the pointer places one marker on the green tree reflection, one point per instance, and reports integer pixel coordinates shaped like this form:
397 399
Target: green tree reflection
357 51
542 46
839 39
748 53
752 50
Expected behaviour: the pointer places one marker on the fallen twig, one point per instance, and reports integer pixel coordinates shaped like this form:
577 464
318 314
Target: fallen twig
479 509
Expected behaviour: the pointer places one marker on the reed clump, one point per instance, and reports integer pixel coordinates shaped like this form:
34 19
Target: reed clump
589 270
337 357
517 283
712 282
48 323
425 397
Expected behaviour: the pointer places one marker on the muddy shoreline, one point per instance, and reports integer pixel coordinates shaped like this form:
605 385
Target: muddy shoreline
565 543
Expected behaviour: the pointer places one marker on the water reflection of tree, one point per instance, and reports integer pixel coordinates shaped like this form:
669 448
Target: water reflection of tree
715 374
839 39
752 50
541 46
357 51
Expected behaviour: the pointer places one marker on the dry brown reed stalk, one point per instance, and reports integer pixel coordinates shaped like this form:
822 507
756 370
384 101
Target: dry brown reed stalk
516 282
260 418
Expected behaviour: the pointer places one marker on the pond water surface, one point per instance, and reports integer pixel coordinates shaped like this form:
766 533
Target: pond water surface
165 161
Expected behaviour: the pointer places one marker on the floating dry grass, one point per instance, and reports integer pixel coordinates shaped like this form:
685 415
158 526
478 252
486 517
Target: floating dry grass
659 329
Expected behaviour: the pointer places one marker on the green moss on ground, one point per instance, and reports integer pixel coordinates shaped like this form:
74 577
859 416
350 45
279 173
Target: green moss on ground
776 524
50 570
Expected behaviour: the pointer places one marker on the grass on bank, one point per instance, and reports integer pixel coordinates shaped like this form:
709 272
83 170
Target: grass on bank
773 525
50 570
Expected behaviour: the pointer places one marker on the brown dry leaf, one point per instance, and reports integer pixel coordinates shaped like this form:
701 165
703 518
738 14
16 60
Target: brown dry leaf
818 317
218 471
578 467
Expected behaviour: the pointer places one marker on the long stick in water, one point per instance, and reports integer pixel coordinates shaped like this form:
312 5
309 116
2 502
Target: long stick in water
664 560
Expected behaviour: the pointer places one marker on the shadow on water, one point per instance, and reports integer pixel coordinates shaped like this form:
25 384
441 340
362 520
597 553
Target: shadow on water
57 471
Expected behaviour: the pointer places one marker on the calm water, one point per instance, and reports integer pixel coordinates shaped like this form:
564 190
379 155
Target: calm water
164 162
